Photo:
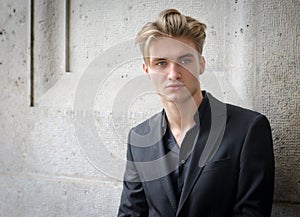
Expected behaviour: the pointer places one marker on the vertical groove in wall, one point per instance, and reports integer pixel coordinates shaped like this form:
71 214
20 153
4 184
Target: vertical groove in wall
31 53
255 50
67 35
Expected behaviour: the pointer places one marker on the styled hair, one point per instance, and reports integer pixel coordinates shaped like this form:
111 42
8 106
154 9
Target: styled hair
171 23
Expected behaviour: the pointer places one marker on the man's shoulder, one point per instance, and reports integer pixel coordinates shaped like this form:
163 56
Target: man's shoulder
244 116
146 134
234 112
230 109
238 110
148 123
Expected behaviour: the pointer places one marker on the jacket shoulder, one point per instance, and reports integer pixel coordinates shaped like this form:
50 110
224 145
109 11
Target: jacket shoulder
145 126
244 116
233 112
234 109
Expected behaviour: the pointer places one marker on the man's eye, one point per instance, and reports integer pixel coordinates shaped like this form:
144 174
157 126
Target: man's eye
161 63
185 61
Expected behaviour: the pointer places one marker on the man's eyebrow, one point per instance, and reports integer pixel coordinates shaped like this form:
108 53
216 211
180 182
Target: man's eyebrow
185 55
159 58
180 57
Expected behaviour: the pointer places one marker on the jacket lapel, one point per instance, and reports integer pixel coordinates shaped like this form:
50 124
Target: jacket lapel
167 166
211 133
194 170
161 164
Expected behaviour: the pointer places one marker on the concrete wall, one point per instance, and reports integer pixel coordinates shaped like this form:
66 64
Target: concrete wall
64 155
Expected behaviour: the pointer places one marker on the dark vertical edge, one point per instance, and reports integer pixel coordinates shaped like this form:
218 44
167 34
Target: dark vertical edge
31 53
67 39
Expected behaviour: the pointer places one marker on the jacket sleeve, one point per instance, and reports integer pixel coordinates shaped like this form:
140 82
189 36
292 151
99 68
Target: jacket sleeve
133 201
256 176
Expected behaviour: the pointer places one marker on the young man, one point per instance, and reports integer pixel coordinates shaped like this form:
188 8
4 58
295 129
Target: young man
199 156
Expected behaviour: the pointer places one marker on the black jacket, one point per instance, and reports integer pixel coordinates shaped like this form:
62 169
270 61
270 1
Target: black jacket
231 170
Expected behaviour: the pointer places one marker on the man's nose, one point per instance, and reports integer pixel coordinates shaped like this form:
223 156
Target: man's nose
174 72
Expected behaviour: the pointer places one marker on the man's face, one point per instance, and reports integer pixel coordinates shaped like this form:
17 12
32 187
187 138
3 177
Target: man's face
174 66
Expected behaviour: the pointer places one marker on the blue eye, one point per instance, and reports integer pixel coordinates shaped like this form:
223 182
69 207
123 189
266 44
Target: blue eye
185 61
161 63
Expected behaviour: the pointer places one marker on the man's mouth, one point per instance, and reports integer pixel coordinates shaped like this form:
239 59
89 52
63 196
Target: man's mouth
174 86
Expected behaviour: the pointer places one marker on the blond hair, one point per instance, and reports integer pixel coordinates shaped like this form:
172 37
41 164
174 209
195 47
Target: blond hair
171 23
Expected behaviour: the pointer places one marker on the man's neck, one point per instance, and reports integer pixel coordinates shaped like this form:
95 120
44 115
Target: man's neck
181 115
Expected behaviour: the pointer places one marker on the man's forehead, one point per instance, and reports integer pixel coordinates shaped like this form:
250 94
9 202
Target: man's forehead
170 48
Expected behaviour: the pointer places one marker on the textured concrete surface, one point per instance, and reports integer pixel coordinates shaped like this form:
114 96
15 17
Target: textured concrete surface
278 93
252 50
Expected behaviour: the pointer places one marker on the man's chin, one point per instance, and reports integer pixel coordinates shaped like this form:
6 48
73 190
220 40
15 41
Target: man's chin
175 99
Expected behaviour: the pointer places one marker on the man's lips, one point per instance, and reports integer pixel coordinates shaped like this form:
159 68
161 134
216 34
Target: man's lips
174 86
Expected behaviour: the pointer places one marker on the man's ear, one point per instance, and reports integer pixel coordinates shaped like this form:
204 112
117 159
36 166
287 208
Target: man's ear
202 64
146 70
